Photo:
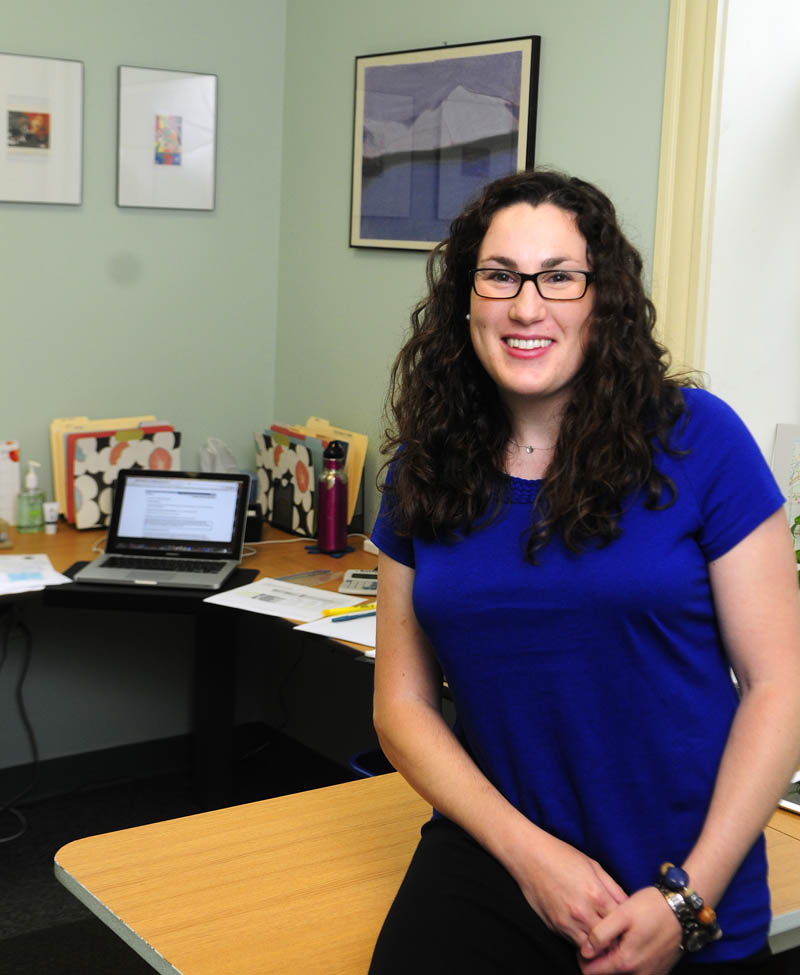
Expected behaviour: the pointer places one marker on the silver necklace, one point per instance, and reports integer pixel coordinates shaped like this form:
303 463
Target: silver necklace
529 449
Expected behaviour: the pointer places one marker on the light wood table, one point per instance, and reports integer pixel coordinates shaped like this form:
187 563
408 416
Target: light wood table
65 547
312 849
287 556
783 853
295 884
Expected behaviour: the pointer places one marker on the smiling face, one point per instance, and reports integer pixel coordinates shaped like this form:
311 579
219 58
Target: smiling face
531 347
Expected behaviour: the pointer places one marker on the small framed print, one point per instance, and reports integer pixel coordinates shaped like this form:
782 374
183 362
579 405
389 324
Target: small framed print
42 104
431 128
167 139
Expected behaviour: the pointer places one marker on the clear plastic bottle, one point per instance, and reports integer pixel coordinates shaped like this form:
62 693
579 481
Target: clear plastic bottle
332 501
30 502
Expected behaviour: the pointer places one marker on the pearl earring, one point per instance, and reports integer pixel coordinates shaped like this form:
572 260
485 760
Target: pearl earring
467 316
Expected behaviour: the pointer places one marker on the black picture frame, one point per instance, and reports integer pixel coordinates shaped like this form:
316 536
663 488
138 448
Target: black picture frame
431 127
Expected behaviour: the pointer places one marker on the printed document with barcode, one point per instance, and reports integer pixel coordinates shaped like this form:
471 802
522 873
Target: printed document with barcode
272 597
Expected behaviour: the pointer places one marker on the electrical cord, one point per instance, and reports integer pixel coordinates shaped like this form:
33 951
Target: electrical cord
300 538
282 541
248 551
14 623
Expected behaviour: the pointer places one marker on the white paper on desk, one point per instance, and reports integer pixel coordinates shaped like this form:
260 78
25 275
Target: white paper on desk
360 630
272 597
24 573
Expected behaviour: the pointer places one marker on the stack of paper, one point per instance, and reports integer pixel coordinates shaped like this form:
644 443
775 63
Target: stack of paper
27 573
275 597
87 454
356 628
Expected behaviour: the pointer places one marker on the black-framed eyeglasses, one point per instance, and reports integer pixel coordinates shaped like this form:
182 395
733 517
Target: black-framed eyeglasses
559 284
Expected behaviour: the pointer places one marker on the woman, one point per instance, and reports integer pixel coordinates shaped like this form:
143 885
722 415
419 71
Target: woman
582 547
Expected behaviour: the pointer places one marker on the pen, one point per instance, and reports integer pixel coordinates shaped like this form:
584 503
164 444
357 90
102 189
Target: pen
337 611
352 616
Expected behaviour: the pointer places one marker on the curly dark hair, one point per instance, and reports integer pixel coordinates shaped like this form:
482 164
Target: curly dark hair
446 416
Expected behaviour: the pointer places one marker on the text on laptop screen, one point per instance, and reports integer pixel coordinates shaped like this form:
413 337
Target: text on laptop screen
167 513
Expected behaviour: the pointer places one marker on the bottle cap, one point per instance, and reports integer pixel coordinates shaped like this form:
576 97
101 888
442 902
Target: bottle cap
334 450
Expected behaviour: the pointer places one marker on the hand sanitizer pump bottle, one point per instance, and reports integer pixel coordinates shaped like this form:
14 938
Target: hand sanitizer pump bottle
332 501
30 502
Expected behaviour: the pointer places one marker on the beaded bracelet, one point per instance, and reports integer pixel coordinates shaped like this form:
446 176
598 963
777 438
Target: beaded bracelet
697 919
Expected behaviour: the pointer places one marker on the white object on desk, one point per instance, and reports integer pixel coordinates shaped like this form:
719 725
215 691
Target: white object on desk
360 629
360 582
26 573
272 597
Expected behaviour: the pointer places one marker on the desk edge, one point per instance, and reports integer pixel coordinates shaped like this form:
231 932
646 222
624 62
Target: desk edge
145 951
784 932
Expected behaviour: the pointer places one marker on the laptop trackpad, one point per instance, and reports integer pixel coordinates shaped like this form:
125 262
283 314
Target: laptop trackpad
144 576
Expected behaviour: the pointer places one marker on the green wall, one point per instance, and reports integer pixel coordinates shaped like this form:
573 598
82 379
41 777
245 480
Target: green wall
109 312
221 322
343 311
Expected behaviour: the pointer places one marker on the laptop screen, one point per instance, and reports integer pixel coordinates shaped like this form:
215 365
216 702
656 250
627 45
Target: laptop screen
178 513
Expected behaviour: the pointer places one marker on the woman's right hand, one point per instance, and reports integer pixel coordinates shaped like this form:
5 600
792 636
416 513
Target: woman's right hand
569 891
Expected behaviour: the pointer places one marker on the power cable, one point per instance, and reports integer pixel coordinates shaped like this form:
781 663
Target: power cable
14 625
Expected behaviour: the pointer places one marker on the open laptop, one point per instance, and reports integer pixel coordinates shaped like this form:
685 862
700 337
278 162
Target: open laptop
173 528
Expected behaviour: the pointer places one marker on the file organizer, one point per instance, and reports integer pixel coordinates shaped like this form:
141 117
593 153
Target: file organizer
93 462
287 483
87 454
289 465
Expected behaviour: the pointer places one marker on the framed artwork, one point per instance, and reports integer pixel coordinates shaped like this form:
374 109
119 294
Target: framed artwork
432 126
167 139
42 105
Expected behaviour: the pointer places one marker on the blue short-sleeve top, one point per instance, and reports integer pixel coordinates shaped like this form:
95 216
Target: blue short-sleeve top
593 689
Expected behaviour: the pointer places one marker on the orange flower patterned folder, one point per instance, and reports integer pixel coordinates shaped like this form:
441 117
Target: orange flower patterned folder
93 461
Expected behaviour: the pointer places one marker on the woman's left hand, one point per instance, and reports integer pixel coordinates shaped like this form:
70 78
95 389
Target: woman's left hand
641 936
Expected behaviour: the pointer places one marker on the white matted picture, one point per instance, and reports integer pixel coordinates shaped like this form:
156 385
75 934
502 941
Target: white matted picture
41 100
167 139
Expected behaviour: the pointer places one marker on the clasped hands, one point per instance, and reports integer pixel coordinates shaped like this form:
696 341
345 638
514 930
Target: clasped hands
614 933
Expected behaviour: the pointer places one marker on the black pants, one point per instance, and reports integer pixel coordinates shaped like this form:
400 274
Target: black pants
459 912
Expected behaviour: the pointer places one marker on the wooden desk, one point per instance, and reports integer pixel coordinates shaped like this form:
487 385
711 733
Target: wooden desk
783 853
69 545
215 629
295 884
65 547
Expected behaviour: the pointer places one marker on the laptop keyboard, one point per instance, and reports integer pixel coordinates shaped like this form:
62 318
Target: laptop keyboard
160 565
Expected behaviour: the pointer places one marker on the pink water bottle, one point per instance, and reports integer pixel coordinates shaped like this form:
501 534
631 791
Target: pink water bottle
332 503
